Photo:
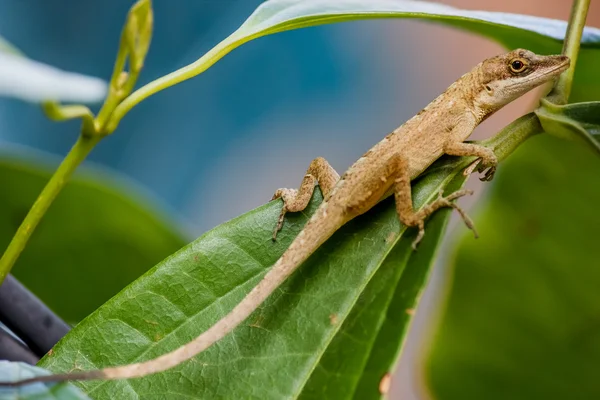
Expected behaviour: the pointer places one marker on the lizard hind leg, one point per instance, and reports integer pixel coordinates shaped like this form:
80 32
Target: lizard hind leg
319 171
409 217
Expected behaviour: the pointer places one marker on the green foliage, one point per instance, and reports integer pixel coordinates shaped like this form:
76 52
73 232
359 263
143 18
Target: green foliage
95 239
369 342
275 352
522 317
11 371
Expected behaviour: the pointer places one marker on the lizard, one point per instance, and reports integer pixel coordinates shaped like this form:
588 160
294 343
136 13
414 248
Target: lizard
386 169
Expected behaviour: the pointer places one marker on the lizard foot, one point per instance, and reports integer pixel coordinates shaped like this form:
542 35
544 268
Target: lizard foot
319 171
480 166
440 202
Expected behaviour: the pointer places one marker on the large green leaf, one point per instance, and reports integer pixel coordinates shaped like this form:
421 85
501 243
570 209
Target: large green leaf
275 352
522 318
369 342
512 30
96 238
11 371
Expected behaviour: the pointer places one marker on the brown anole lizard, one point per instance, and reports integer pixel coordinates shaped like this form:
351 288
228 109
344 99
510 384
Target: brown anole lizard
386 169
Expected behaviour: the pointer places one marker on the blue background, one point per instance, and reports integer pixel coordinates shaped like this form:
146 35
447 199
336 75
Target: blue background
259 115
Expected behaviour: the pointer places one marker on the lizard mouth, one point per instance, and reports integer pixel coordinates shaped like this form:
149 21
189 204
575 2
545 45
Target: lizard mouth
563 63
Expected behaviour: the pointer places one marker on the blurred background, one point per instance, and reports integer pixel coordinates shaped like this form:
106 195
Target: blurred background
220 144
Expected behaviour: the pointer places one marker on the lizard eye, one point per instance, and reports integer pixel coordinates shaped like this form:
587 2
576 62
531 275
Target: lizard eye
517 66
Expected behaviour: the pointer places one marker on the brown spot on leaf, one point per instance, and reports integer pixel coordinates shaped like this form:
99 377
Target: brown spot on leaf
390 237
333 319
410 311
385 383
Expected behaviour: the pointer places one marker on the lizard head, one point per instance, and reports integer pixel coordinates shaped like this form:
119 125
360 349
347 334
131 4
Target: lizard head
504 78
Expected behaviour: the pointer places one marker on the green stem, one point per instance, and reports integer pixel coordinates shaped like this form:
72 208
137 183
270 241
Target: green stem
175 77
562 90
113 98
513 135
78 153
59 112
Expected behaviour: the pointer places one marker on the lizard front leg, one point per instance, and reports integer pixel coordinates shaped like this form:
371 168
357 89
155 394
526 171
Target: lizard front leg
404 205
319 171
487 159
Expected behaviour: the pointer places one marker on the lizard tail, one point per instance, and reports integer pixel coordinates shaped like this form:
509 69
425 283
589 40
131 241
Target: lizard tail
319 228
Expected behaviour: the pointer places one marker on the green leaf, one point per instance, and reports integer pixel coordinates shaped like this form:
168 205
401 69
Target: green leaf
512 30
579 121
98 236
280 15
274 353
12 371
521 321
369 342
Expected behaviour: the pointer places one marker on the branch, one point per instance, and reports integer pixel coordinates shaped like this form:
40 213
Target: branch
562 89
